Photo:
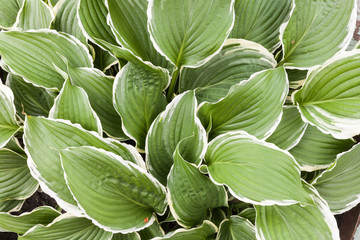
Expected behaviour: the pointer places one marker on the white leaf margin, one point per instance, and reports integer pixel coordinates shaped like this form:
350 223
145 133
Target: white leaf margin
125 163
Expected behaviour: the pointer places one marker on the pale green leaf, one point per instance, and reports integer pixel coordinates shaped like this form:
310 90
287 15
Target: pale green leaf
67 227
339 184
8 12
92 16
296 77
34 14
195 30
290 129
192 194
8 125
11 205
316 31
33 55
16 181
154 230
236 61
128 21
43 139
202 232
260 21
177 122
254 105
141 85
66 19
103 59
317 150
330 97
73 104
117 195
255 171
128 236
14 145
32 100
99 88
22 223
236 228
295 222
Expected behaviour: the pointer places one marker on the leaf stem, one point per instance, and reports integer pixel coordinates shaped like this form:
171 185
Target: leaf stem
173 82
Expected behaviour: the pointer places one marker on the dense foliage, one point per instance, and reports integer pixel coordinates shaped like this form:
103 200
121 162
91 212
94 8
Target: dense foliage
169 119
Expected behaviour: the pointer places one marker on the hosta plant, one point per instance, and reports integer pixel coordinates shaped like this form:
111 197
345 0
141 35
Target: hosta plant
168 119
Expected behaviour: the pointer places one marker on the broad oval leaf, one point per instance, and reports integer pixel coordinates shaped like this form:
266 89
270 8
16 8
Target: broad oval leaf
290 129
67 227
8 124
317 150
312 35
202 232
29 99
27 54
236 61
195 31
73 104
16 181
43 139
142 85
117 195
92 16
330 97
255 171
254 105
295 222
99 88
34 14
192 194
339 184
66 19
11 205
176 123
22 223
236 228
260 21
8 12
128 21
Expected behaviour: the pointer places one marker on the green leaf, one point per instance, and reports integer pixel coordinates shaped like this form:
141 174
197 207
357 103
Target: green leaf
8 12
117 195
154 230
73 104
66 20
260 21
142 85
296 77
200 233
290 129
313 33
99 88
255 171
43 139
236 61
21 224
128 21
24 53
8 125
330 97
295 222
176 123
129 236
16 181
92 16
11 205
67 227
195 31
236 228
339 184
317 150
254 106
192 194
34 14
248 213
32 100
14 145
103 59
